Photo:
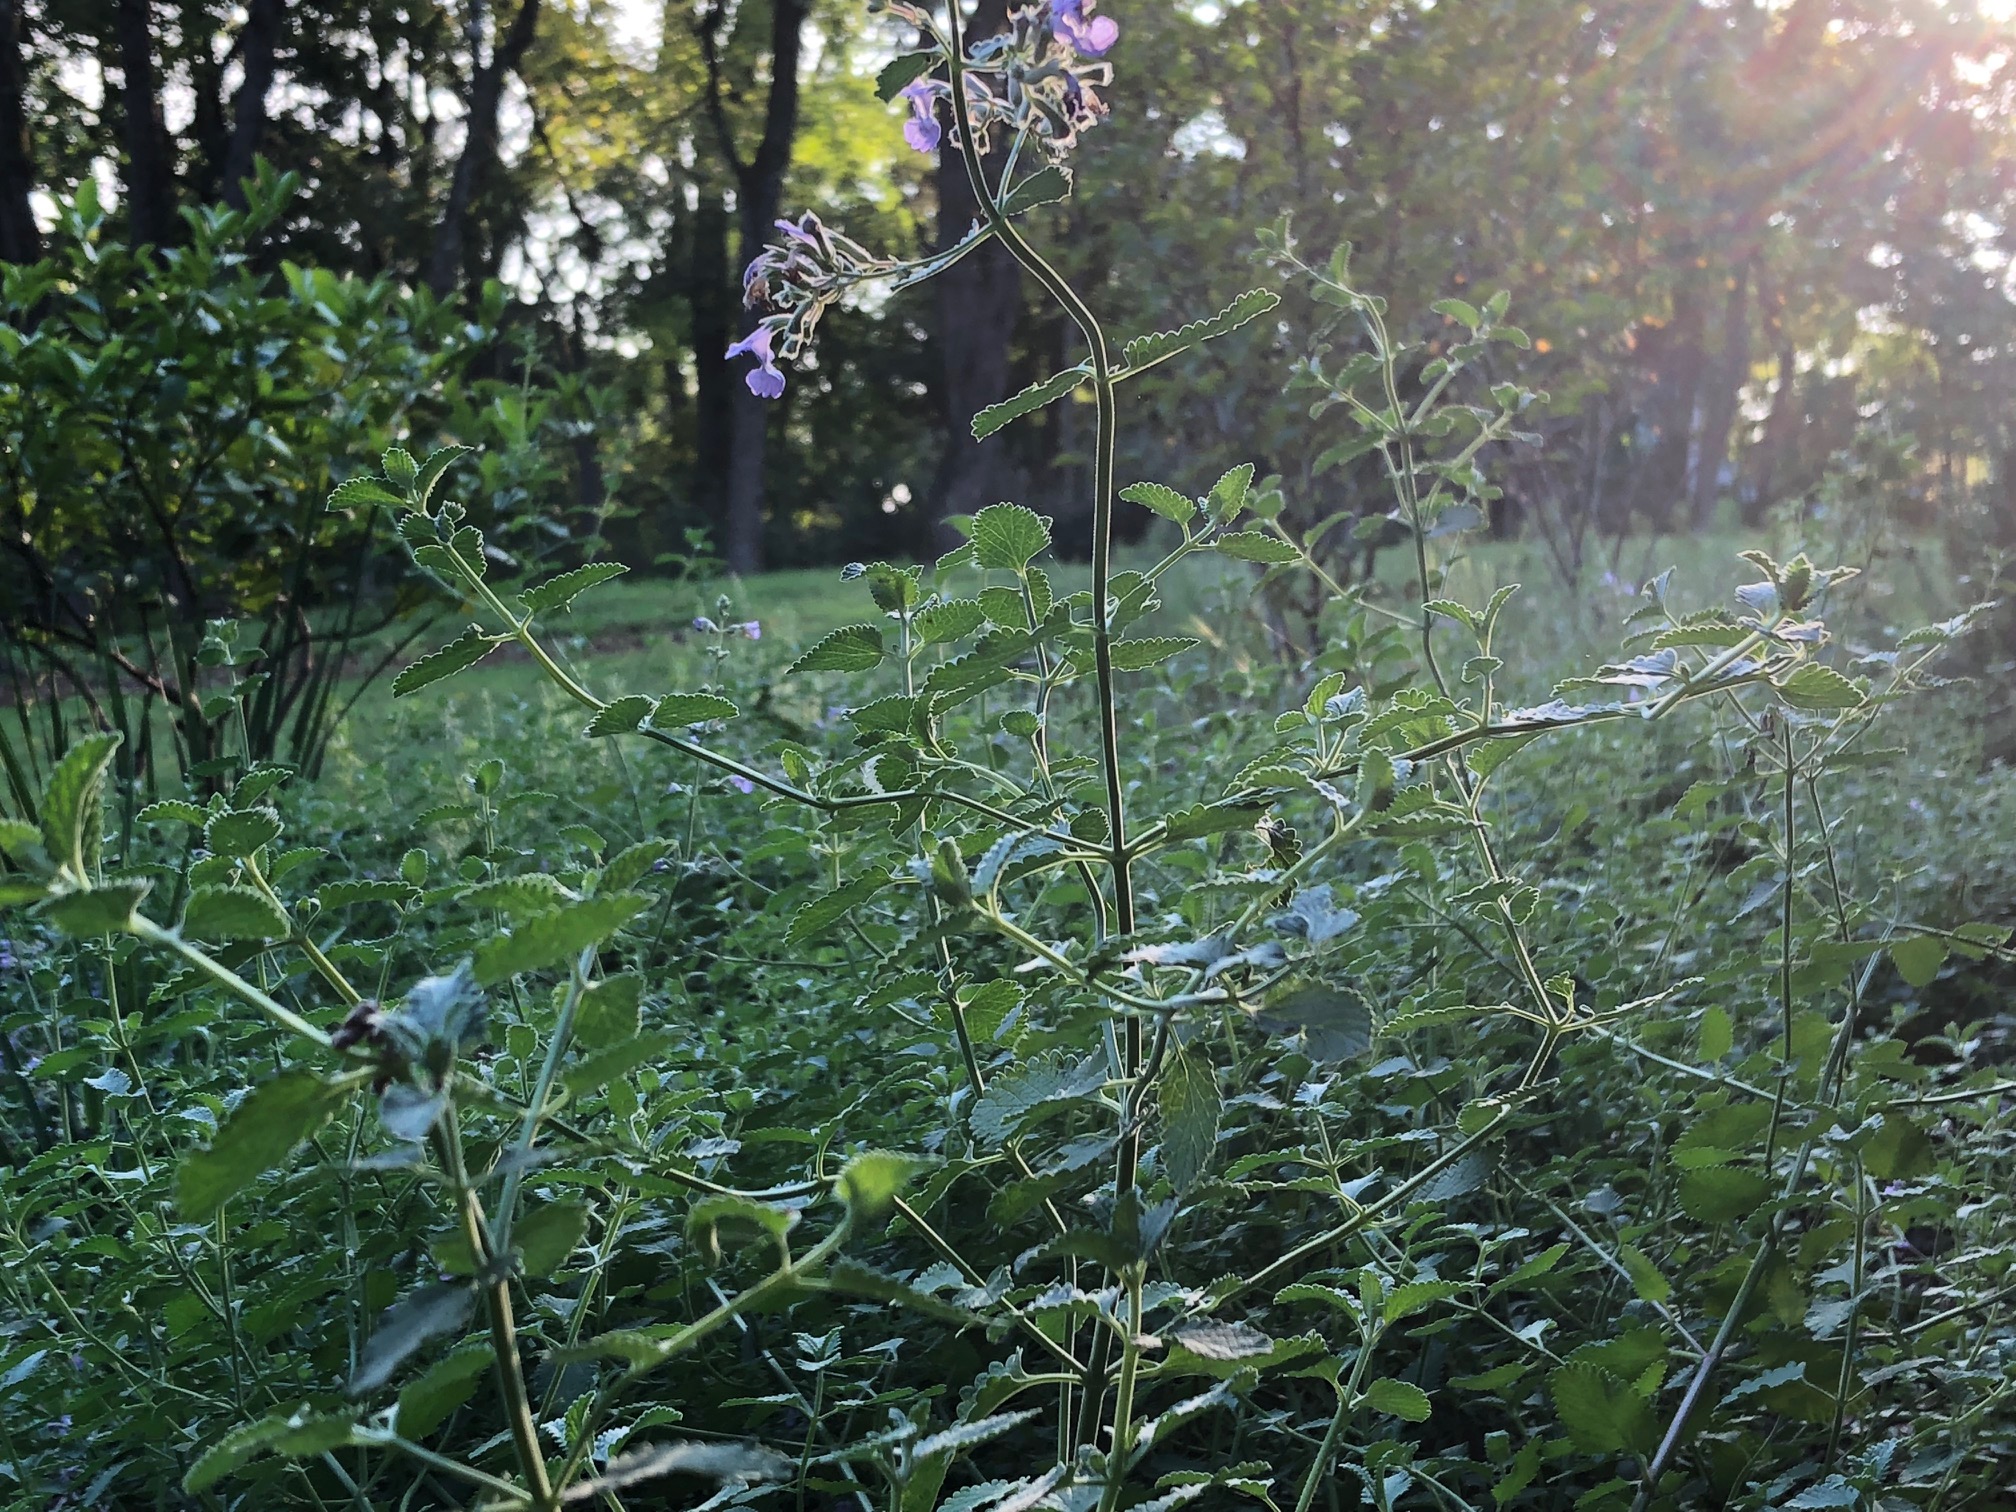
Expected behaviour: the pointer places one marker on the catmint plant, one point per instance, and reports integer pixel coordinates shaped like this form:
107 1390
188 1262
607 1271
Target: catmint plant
1092 986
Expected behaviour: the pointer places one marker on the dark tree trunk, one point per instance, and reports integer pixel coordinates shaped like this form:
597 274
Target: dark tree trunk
1780 431
20 237
978 301
1663 483
479 147
258 45
759 194
149 174
1722 392
713 304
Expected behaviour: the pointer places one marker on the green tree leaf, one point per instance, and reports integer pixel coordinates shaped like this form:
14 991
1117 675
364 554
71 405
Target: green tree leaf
1008 537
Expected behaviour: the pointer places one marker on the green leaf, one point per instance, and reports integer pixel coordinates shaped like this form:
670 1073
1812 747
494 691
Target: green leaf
1228 494
238 833
551 938
727 1463
1028 401
1601 1413
872 1180
675 711
1457 309
352 890
260 1134
221 914
1188 1099
1718 1034
463 652
438 462
300 1434
864 1281
851 648
364 492
428 1401
1255 546
173 811
608 1012
106 909
558 593
1202 819
1334 1023
1146 351
1009 537
719 1224
619 716
521 897
1148 651
902 71
547 1235
1046 186
1163 500
428 1313
950 620
1411 1297
823 912
1817 687
1918 958
1401 1399
1722 1194
1646 1279
72 805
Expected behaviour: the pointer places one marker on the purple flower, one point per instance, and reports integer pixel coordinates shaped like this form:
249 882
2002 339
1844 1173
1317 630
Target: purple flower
7 959
922 130
765 380
742 784
701 623
1072 23
798 233
750 629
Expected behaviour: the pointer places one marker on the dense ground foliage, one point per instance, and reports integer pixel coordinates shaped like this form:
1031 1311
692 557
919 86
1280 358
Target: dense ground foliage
1195 1029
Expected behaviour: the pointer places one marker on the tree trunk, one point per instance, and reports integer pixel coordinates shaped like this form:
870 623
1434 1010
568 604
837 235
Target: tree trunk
479 147
20 237
710 285
1663 483
978 301
149 174
258 45
1780 431
759 193
1722 394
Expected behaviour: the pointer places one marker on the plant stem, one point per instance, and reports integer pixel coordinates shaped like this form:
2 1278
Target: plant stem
286 1018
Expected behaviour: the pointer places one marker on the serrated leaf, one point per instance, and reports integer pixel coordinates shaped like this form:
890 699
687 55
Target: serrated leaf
823 912
351 890
172 811
559 592
1046 186
1255 546
677 710
950 620
72 805
1228 494
1162 500
1188 1099
1722 1194
92 911
260 1133
239 832
1918 958
520 897
1145 351
713 1461
1334 1024
1028 401
1202 819
552 938
608 1011
851 648
1224 1341
1411 1297
620 716
547 1235
1602 1414
1646 1279
1148 651
428 1313
869 1183
460 654
1401 1399
428 1401
1819 688
431 471
221 914
1008 537
365 493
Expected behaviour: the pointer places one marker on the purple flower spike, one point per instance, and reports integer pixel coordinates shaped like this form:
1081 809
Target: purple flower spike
1072 23
765 380
741 784
922 130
